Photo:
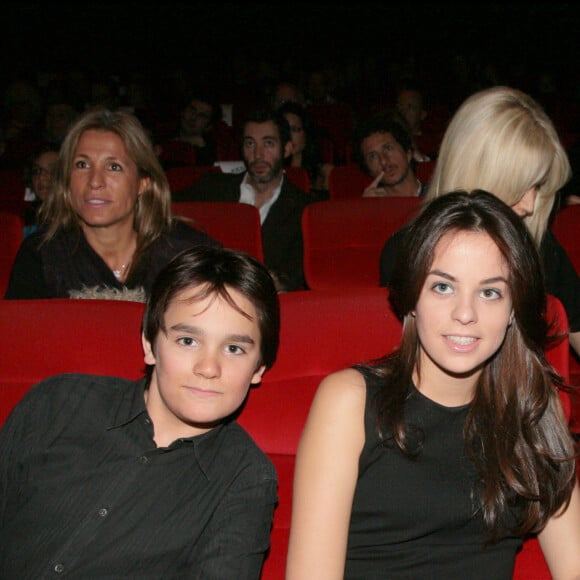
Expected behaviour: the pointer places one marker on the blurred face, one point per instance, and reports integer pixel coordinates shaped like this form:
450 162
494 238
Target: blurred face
525 206
196 118
296 132
58 119
43 173
463 312
104 181
285 94
382 153
263 151
410 105
205 361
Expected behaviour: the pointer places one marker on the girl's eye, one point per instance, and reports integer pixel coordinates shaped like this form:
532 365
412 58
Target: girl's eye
442 288
491 294
80 164
186 341
116 167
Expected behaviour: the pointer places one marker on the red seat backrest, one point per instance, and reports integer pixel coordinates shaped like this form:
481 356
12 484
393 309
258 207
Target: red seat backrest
424 171
176 152
343 239
347 182
185 175
321 332
40 338
235 225
299 177
12 234
566 227
12 190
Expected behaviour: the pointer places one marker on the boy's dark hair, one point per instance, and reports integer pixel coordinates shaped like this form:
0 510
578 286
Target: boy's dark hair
215 271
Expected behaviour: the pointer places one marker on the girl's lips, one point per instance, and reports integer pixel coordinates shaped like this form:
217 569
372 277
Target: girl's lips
460 343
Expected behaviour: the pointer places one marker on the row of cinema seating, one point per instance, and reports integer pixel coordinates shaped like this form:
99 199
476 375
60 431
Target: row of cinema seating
321 331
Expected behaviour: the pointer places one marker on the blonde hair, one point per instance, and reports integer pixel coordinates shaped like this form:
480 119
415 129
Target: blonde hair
153 209
502 141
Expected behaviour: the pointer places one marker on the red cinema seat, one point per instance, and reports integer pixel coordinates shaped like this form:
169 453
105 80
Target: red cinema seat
235 225
12 234
299 177
347 182
185 175
343 239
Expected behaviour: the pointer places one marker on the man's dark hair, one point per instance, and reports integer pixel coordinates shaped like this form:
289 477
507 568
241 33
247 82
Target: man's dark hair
214 272
266 115
389 121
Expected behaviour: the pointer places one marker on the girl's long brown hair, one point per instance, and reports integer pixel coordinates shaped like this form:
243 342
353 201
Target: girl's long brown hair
515 432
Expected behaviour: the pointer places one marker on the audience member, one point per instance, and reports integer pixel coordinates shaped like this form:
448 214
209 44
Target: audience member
21 115
101 476
384 148
501 140
411 106
58 118
202 133
107 228
306 148
266 143
286 92
439 459
38 180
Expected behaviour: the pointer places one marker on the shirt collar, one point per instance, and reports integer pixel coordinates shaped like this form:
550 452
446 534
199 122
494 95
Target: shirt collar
248 195
131 405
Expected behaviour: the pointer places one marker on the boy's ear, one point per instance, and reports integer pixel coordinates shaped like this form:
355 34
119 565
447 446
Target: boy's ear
148 354
257 376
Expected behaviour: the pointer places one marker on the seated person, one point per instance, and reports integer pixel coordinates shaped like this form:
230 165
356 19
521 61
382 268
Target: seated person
102 476
202 133
384 148
107 229
306 149
265 145
38 178
438 460
411 106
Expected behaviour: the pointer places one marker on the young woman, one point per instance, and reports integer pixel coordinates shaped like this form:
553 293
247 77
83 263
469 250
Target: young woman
438 459
107 228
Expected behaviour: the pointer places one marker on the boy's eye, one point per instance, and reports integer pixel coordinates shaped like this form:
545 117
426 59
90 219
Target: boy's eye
186 341
234 349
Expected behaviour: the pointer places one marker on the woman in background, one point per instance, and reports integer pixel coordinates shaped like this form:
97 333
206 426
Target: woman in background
107 228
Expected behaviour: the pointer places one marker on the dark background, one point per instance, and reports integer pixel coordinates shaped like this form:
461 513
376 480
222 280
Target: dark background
152 35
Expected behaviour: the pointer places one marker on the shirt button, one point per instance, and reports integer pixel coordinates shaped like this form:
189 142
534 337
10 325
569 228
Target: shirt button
103 512
59 568
143 459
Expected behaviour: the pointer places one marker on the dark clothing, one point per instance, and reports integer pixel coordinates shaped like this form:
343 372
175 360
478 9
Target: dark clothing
281 230
560 277
67 263
413 517
85 492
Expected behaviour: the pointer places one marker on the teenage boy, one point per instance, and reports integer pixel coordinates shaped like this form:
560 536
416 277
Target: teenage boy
105 477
